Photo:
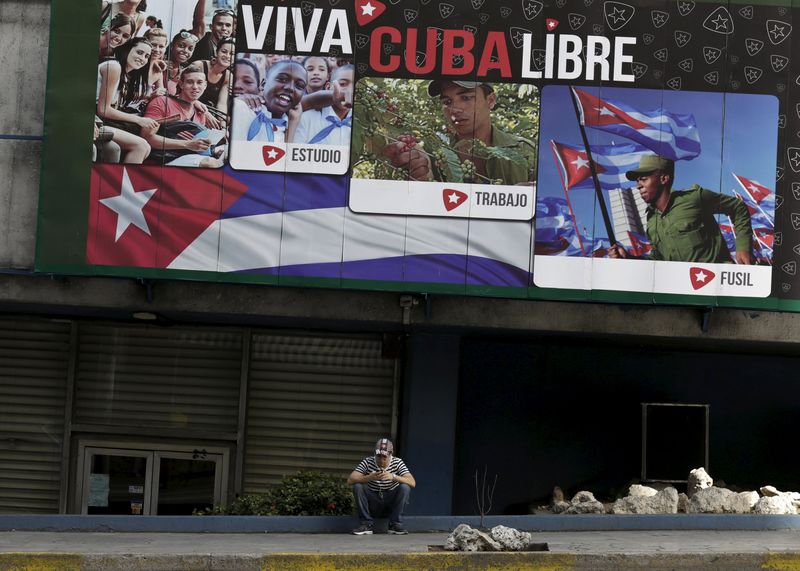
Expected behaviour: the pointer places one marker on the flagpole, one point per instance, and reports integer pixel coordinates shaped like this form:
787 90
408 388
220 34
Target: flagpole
566 195
603 209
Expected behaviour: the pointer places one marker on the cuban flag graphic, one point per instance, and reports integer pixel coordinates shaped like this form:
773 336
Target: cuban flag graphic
288 225
758 198
760 202
556 234
611 163
640 245
670 135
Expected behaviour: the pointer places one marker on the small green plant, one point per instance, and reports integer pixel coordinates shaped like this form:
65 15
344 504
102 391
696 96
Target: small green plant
303 493
312 493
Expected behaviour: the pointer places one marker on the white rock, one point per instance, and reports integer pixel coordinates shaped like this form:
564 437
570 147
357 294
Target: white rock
511 539
775 505
663 502
641 491
698 480
590 507
745 502
710 500
584 503
772 491
683 503
560 507
583 496
715 500
466 538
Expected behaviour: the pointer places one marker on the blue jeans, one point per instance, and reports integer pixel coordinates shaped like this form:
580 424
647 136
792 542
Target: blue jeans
373 504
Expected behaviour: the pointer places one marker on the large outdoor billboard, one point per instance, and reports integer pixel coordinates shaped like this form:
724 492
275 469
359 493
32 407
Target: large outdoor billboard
635 150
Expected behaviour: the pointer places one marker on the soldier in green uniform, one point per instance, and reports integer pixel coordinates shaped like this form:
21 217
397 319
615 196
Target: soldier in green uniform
681 224
467 107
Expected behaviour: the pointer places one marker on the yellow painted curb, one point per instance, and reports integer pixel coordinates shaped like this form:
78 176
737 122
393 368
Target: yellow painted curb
418 562
40 562
782 561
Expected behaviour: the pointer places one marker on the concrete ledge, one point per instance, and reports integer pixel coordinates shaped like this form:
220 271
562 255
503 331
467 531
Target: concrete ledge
407 562
331 524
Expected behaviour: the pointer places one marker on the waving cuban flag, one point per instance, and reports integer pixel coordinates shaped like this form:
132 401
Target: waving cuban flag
758 198
287 226
669 135
611 162
556 234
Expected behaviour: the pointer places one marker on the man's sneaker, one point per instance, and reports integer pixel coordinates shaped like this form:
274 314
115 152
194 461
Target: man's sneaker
363 529
397 529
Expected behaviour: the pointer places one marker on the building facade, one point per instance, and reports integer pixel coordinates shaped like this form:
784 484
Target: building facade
178 394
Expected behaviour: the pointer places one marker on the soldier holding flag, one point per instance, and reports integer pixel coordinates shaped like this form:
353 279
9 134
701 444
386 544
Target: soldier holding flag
681 224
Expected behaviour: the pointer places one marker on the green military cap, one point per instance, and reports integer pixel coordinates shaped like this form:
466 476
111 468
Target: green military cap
435 86
650 164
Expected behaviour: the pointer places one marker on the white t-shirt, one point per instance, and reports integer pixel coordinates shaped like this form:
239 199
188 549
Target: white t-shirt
315 120
243 117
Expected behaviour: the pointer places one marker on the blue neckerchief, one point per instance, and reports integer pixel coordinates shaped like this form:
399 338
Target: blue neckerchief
335 124
268 122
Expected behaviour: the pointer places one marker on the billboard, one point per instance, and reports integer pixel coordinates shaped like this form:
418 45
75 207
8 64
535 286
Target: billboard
628 151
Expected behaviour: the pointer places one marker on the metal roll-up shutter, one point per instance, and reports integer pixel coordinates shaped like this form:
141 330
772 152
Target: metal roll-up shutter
314 402
158 377
33 380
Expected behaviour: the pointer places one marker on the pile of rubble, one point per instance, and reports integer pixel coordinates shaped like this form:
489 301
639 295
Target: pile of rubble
499 538
702 497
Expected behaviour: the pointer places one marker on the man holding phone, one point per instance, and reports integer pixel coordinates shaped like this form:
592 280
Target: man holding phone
381 486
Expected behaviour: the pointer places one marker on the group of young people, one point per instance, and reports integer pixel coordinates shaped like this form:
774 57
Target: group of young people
162 98
303 100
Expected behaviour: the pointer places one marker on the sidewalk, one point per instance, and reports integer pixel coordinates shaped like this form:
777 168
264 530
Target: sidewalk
618 550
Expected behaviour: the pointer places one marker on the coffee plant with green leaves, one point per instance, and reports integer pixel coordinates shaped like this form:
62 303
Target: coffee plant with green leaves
400 111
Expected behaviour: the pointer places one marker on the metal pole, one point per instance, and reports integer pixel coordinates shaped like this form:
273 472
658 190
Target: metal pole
597 189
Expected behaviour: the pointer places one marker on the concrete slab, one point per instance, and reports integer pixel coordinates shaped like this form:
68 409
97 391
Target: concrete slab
569 550
339 524
588 542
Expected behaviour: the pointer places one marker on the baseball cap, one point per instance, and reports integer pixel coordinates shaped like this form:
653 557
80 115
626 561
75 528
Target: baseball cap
384 447
435 86
649 164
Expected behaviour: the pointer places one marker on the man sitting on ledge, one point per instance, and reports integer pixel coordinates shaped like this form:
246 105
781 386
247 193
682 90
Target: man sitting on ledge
381 485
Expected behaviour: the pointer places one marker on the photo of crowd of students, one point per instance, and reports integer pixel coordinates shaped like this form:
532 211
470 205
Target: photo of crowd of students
141 75
292 99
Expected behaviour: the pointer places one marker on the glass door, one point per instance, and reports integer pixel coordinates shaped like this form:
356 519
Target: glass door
116 482
187 482
151 480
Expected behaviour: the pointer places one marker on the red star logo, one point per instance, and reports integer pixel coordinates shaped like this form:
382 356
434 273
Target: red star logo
368 10
453 198
551 24
701 277
272 154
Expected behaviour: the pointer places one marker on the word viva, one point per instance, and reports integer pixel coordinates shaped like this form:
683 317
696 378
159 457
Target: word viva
337 30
